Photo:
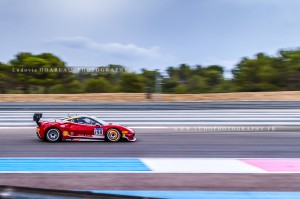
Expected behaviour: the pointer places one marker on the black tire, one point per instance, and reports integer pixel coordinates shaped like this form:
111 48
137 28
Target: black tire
113 135
53 135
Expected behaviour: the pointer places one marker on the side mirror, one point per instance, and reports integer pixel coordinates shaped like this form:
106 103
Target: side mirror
98 125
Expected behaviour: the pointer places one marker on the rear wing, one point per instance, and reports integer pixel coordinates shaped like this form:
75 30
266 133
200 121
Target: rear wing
37 117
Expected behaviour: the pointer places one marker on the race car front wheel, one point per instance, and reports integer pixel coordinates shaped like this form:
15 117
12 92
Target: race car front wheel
113 135
52 135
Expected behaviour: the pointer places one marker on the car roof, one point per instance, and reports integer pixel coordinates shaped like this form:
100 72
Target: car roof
77 116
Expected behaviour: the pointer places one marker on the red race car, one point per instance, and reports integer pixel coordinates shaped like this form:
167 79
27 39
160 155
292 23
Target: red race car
81 128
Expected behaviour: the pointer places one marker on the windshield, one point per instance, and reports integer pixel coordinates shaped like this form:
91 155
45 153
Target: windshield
99 121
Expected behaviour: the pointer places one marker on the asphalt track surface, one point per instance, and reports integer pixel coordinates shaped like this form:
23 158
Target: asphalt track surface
164 143
24 143
154 181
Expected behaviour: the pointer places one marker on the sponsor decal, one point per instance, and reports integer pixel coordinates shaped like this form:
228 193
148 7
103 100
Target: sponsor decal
65 133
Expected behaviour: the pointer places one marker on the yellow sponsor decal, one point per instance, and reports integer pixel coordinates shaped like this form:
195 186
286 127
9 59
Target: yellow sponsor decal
71 118
124 132
65 133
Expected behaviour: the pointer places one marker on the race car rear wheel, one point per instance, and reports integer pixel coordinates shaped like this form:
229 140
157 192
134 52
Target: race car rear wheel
53 135
113 135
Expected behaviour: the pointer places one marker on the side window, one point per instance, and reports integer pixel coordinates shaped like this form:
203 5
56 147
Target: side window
80 120
86 120
94 122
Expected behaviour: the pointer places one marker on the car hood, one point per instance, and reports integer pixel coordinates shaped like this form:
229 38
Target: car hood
122 127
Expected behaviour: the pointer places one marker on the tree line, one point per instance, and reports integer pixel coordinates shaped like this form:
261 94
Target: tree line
47 73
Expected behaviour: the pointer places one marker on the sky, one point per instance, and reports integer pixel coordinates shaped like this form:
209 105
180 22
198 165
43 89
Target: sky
151 34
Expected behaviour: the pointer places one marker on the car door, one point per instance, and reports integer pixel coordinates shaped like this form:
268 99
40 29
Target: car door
88 126
77 128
